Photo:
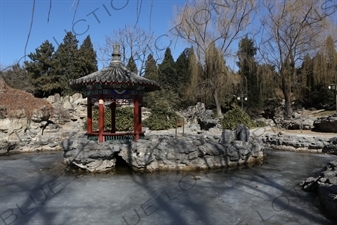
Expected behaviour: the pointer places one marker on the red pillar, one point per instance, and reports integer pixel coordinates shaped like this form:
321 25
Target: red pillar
113 117
100 120
140 118
89 115
136 117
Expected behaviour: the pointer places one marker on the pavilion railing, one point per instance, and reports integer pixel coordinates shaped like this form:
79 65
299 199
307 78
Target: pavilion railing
110 137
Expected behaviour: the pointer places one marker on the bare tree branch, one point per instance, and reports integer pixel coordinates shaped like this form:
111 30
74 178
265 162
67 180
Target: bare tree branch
30 28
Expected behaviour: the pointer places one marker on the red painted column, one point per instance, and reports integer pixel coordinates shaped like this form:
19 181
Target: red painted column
113 117
100 120
136 117
140 117
89 115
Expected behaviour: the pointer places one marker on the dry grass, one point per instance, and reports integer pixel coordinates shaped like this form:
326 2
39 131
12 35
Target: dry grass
17 103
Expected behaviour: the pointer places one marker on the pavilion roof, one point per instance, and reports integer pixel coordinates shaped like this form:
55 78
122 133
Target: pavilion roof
115 76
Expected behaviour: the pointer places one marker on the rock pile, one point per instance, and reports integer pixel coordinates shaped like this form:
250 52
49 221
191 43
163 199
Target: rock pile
299 143
202 116
326 124
326 187
164 152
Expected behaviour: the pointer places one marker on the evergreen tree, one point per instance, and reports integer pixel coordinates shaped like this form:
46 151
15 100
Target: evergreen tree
41 70
87 57
132 65
167 72
250 83
68 62
183 76
151 73
151 70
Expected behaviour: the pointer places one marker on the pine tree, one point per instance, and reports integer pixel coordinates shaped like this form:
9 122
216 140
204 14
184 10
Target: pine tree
68 62
151 70
87 57
183 76
167 72
132 65
41 70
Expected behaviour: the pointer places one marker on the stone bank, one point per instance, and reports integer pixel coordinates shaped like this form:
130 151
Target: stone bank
161 152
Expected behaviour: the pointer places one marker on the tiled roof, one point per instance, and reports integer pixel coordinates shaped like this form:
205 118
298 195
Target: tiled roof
116 75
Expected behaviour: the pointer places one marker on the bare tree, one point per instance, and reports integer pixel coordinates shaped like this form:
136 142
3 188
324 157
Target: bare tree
134 42
213 23
292 29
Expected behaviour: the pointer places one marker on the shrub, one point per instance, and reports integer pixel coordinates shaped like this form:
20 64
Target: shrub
162 117
158 121
124 118
234 117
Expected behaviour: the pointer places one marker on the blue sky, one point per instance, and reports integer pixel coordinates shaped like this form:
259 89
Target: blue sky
94 18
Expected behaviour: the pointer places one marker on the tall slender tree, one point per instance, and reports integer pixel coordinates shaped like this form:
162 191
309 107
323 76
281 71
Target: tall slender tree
167 72
68 62
87 57
151 70
250 82
183 75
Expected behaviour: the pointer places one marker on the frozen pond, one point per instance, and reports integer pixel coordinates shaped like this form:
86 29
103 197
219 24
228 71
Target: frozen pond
36 190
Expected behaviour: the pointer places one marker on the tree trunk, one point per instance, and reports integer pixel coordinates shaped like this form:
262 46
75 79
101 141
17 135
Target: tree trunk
286 89
218 106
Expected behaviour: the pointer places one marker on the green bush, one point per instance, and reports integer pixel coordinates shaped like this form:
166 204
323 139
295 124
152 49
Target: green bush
124 118
157 121
234 117
163 104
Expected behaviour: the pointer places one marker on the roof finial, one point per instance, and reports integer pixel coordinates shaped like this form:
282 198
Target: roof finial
116 55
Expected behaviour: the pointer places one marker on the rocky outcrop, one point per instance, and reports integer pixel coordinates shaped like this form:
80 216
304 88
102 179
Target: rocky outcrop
297 142
325 184
199 114
43 130
163 152
326 124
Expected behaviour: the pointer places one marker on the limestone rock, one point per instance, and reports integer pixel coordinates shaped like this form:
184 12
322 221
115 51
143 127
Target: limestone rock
159 152
242 133
227 136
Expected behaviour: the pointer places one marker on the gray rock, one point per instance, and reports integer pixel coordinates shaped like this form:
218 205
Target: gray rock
242 133
326 187
157 153
227 136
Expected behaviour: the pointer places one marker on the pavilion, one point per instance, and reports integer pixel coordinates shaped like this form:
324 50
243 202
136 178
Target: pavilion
107 88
